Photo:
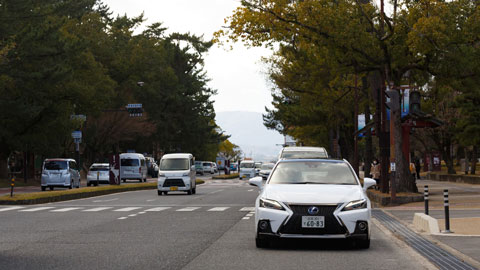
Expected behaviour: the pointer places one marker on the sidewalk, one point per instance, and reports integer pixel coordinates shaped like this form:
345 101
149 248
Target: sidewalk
464 202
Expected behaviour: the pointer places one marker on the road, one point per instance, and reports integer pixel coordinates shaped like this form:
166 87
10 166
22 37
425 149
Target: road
140 230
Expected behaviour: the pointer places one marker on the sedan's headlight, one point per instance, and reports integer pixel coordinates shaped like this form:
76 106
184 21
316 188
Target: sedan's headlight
266 203
354 205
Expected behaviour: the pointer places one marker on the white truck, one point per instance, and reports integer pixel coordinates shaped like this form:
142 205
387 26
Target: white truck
247 169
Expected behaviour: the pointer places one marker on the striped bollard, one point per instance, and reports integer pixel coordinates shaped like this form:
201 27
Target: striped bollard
425 198
447 214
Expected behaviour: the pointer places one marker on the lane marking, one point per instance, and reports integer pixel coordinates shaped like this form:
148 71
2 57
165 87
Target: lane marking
218 209
141 213
249 215
247 209
36 209
157 209
187 209
151 200
111 200
216 191
122 218
250 190
126 209
65 209
132 215
11 208
246 218
97 209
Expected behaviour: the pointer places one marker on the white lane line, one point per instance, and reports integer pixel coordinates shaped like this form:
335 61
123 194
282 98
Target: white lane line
132 215
249 215
122 217
65 209
11 208
111 200
187 209
250 190
126 209
246 218
36 209
151 200
141 213
216 191
157 209
218 209
247 209
97 209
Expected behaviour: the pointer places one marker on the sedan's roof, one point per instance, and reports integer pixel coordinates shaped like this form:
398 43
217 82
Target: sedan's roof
312 160
304 148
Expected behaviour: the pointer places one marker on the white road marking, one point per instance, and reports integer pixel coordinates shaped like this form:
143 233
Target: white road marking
36 209
97 209
141 213
249 215
187 209
247 209
126 209
216 191
11 208
132 215
151 200
218 209
111 200
122 217
157 209
246 218
250 190
65 209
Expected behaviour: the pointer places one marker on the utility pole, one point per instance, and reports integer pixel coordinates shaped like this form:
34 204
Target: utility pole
355 121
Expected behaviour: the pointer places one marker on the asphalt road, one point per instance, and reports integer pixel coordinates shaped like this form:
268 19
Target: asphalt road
140 230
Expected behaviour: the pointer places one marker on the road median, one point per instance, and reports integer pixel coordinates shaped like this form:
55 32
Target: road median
73 194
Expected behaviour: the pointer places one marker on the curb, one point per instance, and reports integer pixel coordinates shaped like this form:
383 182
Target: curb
454 178
425 223
382 200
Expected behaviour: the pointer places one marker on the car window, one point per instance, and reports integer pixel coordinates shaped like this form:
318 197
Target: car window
207 164
130 162
303 154
247 165
55 165
174 164
101 169
313 172
142 161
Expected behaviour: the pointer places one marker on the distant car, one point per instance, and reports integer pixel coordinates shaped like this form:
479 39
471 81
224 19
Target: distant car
215 169
247 169
177 173
233 166
60 172
257 167
100 170
296 152
207 167
265 170
199 167
133 166
312 198
152 167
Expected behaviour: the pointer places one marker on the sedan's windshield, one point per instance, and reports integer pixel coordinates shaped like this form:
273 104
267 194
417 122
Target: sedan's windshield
303 154
313 172
55 165
174 164
247 165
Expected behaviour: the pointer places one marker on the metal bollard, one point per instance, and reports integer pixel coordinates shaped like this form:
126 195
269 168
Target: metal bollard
447 214
425 197
12 186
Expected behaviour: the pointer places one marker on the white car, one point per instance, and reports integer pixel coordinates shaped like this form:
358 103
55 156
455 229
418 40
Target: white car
297 152
177 173
312 198
98 173
247 169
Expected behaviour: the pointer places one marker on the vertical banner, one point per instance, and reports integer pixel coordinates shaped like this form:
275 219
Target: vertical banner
114 169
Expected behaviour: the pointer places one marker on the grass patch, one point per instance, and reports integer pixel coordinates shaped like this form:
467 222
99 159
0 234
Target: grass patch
225 176
199 181
5 183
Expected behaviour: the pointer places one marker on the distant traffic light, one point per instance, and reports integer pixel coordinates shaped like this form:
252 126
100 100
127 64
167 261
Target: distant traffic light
393 101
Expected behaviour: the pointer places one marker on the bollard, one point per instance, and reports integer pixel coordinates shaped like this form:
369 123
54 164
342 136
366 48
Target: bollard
425 197
447 214
12 186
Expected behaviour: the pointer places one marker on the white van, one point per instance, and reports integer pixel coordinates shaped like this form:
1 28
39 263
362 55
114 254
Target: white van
133 166
60 172
177 173
247 169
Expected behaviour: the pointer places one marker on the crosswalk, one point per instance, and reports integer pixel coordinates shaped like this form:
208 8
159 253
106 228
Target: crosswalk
95 209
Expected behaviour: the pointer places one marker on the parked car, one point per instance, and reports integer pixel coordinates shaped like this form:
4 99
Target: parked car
98 173
177 173
199 167
312 198
215 168
294 152
265 170
152 167
207 167
247 169
233 166
60 172
258 165
133 167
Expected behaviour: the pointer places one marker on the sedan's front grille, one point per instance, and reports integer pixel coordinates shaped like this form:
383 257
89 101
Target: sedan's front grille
173 183
294 224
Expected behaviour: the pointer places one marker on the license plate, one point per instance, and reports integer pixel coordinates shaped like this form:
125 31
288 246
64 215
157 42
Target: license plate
313 222
173 188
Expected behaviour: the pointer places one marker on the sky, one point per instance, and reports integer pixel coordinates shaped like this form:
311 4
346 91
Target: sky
238 75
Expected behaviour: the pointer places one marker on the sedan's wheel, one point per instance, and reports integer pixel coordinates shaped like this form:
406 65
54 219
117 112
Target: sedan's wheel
362 244
165 192
51 188
71 184
159 193
261 243
141 180
95 183
189 192
194 191
88 184
124 180
78 184
44 188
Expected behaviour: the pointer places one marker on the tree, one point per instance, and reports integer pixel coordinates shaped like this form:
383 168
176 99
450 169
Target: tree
229 151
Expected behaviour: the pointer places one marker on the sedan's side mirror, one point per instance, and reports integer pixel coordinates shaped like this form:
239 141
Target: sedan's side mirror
368 182
256 181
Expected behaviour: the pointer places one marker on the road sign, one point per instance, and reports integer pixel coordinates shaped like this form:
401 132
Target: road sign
81 117
77 140
77 134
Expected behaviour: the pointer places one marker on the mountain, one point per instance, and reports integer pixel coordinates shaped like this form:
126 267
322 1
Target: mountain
248 132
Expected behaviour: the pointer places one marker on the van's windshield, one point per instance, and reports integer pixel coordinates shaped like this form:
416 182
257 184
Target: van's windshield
56 165
174 164
128 162
247 165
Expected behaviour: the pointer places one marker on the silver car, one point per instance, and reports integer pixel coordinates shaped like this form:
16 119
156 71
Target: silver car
98 173
60 172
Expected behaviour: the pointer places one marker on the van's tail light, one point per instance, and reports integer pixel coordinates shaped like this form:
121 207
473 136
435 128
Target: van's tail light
140 170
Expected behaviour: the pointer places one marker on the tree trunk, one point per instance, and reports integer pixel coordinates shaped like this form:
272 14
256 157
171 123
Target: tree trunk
474 160
404 181
368 143
447 157
466 160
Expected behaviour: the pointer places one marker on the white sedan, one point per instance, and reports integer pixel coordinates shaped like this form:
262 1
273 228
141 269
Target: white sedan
312 198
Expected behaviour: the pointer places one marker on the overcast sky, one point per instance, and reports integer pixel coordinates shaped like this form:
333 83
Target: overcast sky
238 74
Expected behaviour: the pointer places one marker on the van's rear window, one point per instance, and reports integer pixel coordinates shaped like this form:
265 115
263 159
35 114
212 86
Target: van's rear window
130 162
101 169
56 165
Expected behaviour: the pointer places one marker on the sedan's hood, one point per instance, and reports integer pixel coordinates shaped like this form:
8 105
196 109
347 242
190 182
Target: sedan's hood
174 173
313 194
